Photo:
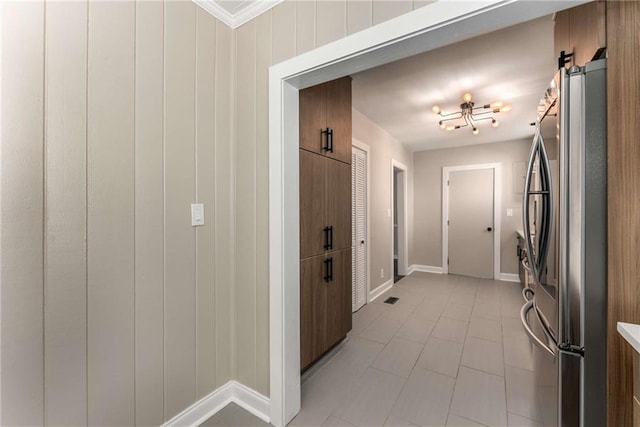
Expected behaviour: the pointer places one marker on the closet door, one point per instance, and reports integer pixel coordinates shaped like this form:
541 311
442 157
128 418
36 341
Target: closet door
312 204
313 118
339 117
313 309
339 203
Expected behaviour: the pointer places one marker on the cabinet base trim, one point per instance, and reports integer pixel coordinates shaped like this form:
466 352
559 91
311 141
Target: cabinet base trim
375 293
425 269
508 277
208 406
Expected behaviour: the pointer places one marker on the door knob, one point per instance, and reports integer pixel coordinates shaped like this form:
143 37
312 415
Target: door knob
489 229
362 242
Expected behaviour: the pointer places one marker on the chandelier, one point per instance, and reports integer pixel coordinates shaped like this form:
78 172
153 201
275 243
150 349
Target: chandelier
469 115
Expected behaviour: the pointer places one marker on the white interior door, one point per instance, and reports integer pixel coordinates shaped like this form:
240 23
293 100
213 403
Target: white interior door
359 227
470 223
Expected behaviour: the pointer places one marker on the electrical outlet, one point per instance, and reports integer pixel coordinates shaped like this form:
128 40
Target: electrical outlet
382 273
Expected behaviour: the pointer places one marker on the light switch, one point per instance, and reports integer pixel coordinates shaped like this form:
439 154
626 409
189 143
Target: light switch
197 214
509 212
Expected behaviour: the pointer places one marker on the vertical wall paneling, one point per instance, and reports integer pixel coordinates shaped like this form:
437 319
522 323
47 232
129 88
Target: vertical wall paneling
331 18
358 15
110 230
623 175
306 26
245 204
21 213
205 180
388 9
222 205
283 35
65 271
179 193
149 217
263 60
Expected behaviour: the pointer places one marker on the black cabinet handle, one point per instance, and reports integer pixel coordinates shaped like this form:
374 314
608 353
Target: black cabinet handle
328 267
328 237
328 140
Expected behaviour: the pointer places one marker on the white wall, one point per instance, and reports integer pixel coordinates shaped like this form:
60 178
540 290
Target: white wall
427 245
384 148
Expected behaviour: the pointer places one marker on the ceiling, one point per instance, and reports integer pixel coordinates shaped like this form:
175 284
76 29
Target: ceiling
513 65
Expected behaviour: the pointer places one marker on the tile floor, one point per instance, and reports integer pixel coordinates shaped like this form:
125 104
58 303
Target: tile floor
450 352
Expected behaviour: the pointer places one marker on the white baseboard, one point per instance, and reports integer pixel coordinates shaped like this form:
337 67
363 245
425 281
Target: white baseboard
209 405
425 269
509 277
380 290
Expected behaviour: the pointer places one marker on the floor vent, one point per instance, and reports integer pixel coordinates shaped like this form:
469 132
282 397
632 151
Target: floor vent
391 300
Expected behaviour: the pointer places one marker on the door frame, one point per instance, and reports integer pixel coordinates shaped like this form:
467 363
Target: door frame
497 206
403 251
364 147
432 26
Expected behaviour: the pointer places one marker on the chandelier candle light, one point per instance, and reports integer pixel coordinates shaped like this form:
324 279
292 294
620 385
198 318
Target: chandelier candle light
470 115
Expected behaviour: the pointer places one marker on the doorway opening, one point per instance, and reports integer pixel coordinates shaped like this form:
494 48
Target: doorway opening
399 219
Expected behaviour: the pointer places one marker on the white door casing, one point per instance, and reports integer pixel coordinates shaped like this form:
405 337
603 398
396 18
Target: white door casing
359 223
470 223
497 197
401 221
432 26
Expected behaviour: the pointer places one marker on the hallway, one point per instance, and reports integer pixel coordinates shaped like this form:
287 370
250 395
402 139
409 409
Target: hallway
450 352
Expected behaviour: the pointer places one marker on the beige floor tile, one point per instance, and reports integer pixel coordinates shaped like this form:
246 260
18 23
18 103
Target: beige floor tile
457 311
398 357
480 397
371 400
363 318
381 330
425 398
233 415
483 355
336 422
355 357
399 311
487 310
415 329
518 421
485 329
521 393
398 422
518 351
441 356
428 310
457 421
450 329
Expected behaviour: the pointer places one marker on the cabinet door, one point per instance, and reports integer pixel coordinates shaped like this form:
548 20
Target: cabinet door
313 310
312 117
339 297
339 117
339 203
312 204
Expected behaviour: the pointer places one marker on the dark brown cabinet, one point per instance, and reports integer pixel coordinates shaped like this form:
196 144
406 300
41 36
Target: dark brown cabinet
325 119
325 217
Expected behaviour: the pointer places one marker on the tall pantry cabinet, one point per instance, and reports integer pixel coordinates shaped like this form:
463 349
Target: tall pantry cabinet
325 217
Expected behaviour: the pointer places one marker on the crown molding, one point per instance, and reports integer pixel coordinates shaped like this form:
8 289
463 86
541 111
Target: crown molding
243 16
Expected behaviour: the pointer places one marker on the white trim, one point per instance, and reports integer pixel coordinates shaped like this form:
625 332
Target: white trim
231 392
364 147
245 15
497 211
403 248
432 26
510 277
381 289
425 269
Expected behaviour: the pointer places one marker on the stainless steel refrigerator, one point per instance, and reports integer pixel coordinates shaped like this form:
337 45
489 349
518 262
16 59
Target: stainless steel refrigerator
565 227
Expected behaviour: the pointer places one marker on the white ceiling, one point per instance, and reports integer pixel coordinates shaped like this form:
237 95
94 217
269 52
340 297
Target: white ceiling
513 65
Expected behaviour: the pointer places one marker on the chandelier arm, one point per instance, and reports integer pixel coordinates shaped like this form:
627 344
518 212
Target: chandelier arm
456 113
482 118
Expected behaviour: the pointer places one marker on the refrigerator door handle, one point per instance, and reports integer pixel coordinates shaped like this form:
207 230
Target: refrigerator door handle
526 217
525 323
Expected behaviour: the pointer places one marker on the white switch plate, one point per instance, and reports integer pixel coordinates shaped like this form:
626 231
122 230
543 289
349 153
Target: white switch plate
197 214
509 212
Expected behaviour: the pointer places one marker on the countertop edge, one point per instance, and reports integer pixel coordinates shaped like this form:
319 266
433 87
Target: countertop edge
631 333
